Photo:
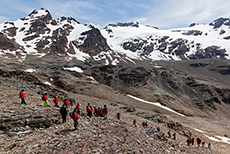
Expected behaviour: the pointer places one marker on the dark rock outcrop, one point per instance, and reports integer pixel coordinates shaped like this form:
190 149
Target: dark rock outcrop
60 41
6 43
193 32
128 109
134 76
219 22
129 24
179 128
210 52
225 95
94 42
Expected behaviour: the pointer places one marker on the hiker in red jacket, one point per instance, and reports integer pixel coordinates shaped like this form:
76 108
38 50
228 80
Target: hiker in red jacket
174 136
188 141
55 100
75 119
192 141
134 122
22 96
101 112
77 108
98 111
89 110
45 99
66 102
143 124
198 140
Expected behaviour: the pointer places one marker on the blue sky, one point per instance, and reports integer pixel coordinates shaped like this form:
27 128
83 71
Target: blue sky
160 13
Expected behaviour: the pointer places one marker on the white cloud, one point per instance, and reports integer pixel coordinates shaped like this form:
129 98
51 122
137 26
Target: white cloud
3 19
177 13
72 8
159 13
18 6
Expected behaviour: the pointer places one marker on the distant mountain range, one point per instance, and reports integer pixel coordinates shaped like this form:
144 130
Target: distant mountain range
40 34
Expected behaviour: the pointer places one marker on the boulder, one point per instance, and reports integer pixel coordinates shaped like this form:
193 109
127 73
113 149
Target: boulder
128 108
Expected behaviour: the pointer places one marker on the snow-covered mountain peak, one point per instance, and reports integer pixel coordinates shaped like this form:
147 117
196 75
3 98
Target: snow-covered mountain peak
220 22
40 34
40 14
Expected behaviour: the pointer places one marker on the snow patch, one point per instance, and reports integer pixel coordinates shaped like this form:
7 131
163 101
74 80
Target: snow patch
216 138
76 69
30 70
48 83
223 139
156 66
91 78
199 130
212 138
79 54
156 104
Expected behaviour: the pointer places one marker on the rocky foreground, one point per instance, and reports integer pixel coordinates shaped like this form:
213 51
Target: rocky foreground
33 128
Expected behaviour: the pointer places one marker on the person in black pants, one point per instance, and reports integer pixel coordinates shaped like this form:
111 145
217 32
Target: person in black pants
118 116
64 113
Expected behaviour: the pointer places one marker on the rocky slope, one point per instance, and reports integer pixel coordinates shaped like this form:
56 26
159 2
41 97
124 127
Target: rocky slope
35 129
39 34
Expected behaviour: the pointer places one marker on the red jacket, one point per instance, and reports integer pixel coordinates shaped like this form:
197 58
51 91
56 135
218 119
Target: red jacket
89 110
98 111
143 124
101 112
78 107
56 100
192 140
45 98
22 95
66 102
134 121
75 116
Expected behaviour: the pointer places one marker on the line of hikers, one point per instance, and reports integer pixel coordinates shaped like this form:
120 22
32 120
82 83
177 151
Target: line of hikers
102 112
190 141
56 100
98 112
77 110
169 135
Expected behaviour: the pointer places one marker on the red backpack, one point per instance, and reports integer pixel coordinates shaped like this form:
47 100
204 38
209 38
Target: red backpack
66 102
75 116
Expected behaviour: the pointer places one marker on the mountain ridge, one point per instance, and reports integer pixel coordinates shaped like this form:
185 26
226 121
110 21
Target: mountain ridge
39 34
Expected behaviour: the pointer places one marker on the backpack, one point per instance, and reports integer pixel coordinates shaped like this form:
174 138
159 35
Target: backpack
71 114
88 108
43 98
106 110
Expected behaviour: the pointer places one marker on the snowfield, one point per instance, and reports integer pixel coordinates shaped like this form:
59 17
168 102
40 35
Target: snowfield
156 104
